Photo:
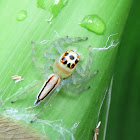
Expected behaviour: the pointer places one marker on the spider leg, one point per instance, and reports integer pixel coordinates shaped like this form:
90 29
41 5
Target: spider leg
81 89
66 40
89 64
80 70
78 89
23 91
53 95
75 80
48 53
34 59
85 76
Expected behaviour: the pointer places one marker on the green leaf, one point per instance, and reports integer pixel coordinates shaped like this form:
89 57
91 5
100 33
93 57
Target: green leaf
124 112
68 116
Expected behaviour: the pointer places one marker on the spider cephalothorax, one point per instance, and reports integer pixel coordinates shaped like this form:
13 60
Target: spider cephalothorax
70 59
65 65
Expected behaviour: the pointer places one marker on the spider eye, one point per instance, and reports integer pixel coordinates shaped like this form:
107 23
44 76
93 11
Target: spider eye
63 58
71 57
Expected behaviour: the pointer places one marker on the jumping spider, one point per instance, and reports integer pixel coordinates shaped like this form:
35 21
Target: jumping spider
63 69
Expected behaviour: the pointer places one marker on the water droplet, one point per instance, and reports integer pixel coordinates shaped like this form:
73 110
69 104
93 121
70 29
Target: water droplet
21 15
94 24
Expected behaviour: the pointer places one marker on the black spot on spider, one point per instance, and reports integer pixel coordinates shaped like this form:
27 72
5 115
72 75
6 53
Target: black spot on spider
68 65
71 57
76 61
72 65
65 62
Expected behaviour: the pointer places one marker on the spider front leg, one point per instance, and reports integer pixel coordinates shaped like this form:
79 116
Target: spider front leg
58 45
23 91
37 64
68 83
66 40
34 59
85 76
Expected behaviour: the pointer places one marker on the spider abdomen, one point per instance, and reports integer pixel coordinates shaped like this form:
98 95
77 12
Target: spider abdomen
48 86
